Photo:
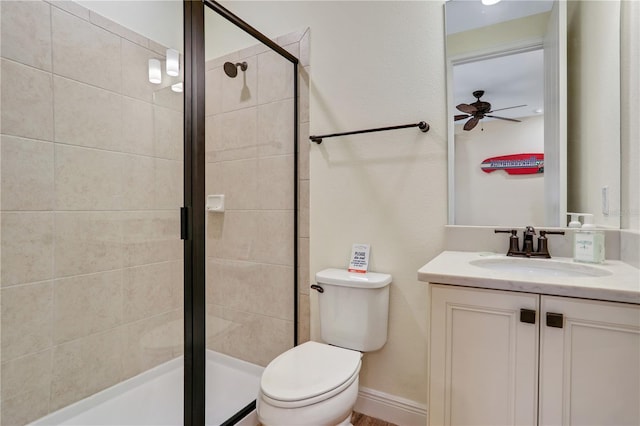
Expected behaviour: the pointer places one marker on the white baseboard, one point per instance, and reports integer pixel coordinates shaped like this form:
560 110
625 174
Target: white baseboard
391 408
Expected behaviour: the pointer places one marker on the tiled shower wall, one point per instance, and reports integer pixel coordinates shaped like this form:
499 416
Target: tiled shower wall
250 159
91 185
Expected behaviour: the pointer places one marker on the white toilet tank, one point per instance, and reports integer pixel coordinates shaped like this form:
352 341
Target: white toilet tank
354 308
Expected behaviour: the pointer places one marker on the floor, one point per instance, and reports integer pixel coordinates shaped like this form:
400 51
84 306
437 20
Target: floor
359 419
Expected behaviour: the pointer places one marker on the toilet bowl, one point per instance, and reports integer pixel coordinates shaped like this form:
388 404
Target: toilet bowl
311 384
316 384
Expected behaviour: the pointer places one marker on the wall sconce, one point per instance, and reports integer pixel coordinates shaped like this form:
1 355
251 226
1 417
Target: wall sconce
172 67
173 63
155 71
177 87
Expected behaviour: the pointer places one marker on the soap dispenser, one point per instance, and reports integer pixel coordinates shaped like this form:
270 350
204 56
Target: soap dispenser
588 242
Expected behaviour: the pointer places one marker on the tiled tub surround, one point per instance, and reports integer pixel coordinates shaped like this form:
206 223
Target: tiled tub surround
91 185
250 159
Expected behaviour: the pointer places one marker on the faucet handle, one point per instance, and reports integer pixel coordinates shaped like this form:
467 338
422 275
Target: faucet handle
543 247
513 240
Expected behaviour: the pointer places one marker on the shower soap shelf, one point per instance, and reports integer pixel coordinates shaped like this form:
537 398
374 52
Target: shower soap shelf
215 203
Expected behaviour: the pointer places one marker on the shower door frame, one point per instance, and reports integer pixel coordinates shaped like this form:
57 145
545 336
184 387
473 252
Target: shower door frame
193 213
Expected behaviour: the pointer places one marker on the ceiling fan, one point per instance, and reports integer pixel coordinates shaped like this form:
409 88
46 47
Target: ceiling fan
479 110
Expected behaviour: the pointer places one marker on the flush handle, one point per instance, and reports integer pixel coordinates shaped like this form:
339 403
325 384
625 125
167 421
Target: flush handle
528 316
555 320
317 288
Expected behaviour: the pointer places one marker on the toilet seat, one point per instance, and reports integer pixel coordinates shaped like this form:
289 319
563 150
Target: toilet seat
308 374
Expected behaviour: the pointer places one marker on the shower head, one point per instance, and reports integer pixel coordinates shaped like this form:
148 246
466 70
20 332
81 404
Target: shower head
231 69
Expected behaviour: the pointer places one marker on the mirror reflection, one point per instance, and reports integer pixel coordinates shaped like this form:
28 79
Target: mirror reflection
509 134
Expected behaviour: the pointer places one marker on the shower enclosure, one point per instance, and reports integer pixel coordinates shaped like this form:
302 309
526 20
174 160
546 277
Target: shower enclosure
123 299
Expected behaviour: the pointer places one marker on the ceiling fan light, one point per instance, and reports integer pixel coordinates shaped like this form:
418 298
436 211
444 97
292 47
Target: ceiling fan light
490 2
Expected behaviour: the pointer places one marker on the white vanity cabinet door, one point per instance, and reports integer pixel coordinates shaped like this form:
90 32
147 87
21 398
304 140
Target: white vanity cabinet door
590 368
483 360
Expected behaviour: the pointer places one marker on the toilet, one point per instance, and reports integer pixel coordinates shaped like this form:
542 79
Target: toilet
316 384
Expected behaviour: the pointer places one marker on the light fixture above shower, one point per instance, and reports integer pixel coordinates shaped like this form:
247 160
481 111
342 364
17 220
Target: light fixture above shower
231 69
172 66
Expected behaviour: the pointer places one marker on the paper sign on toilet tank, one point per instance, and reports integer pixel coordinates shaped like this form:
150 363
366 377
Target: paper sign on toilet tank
359 258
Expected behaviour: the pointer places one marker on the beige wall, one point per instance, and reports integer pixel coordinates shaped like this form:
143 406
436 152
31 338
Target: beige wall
593 108
488 198
630 125
375 64
91 183
250 159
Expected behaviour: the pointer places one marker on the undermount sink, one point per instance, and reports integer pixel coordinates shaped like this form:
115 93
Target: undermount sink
540 267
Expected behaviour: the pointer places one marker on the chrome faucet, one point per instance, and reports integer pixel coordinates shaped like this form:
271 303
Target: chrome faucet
527 242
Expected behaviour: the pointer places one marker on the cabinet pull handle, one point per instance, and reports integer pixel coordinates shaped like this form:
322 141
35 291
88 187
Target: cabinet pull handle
528 316
555 320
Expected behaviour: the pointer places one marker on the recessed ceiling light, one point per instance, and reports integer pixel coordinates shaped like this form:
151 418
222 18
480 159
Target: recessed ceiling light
490 2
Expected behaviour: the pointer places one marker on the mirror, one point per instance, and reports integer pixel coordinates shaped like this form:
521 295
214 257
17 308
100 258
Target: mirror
512 166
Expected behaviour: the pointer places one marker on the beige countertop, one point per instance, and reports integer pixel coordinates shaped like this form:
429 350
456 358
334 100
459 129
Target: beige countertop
620 282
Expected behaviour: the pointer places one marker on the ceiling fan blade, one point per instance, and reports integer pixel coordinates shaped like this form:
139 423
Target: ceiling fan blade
504 118
460 117
471 123
469 109
500 109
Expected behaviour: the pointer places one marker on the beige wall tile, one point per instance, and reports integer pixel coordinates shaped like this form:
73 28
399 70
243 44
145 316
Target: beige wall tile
304 318
135 71
86 304
88 179
168 133
27 174
305 45
85 366
213 90
276 128
137 127
275 78
27 101
118 29
291 38
240 183
274 240
26 319
72 7
27 247
151 290
236 136
303 93
248 332
232 235
304 144
87 116
85 52
151 237
25 388
216 283
275 182
165 97
241 91
168 184
303 266
152 341
26 33
87 242
303 209
139 178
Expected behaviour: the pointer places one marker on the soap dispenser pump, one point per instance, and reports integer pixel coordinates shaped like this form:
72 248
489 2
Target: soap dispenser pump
574 222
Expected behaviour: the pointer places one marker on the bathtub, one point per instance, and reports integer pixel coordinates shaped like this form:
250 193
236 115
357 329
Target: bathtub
154 397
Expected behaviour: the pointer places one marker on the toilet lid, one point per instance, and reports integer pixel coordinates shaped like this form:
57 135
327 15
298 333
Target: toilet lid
309 370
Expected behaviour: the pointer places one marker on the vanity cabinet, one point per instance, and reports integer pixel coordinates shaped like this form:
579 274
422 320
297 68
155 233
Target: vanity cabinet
508 358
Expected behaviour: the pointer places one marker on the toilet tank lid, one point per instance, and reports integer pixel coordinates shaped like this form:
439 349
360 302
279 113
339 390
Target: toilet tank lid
342 277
